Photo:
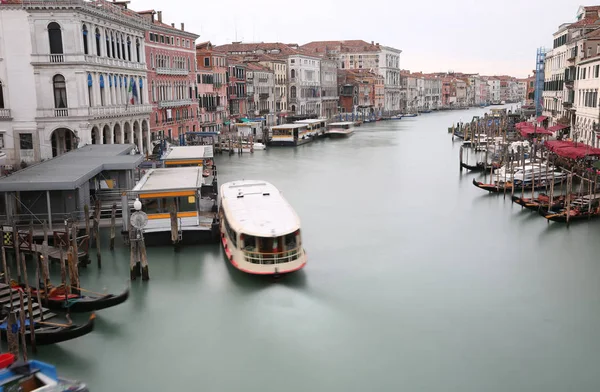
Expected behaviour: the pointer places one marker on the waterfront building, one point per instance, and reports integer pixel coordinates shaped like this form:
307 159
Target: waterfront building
358 54
305 84
461 92
433 91
360 91
493 90
71 73
521 90
483 92
171 59
260 89
236 88
329 88
211 88
279 68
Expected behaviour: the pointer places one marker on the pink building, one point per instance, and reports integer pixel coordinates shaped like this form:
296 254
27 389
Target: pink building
171 60
211 79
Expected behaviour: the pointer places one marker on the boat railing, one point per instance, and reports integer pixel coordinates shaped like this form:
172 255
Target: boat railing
272 257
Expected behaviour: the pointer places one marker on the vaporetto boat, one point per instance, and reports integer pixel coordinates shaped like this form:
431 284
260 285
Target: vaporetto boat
260 231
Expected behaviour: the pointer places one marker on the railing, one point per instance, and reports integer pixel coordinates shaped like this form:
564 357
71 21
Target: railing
263 96
211 108
272 258
90 58
5 114
171 71
61 112
174 103
112 111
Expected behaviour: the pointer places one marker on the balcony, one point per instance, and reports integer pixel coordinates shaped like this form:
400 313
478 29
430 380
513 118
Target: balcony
174 103
220 108
567 104
263 96
5 114
172 71
211 108
85 58
119 110
94 112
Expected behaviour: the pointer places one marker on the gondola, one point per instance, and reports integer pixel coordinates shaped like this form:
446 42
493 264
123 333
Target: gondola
575 215
51 332
77 303
491 187
480 166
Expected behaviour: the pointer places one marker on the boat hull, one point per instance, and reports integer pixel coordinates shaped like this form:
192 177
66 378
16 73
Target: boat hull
86 304
51 335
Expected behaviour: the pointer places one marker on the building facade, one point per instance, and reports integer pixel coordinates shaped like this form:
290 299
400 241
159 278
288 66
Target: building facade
237 89
304 75
279 68
358 54
71 74
211 88
260 89
493 92
171 59
329 88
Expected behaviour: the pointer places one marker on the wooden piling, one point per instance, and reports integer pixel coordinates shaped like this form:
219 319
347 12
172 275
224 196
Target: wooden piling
97 235
29 304
86 211
22 322
6 279
133 271
12 336
17 245
37 286
73 272
174 228
460 158
143 258
113 217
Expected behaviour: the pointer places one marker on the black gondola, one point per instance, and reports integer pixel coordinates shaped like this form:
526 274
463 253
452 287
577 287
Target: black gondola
83 303
490 187
562 216
51 332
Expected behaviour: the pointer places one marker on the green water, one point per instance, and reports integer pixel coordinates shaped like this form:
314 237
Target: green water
416 281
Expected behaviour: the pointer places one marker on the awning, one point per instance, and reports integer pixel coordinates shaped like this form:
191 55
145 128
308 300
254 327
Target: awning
571 150
541 118
522 124
559 127
528 131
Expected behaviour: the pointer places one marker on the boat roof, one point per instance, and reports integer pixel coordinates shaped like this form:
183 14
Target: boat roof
261 211
248 124
341 123
188 152
311 121
170 179
289 126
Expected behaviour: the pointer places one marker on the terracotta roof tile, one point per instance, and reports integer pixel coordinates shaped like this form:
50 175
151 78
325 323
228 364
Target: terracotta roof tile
583 23
353 46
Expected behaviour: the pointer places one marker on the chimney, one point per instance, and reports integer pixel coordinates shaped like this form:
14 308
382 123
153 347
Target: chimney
377 44
372 42
173 25
182 26
159 16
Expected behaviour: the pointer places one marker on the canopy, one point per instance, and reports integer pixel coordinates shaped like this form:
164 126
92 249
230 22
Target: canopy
558 127
522 124
529 130
571 150
541 118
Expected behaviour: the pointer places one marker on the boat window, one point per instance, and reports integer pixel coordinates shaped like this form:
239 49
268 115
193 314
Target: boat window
290 241
159 206
186 203
230 232
249 243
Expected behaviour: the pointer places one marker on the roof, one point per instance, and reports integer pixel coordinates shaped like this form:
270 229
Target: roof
71 170
339 124
311 121
188 152
261 211
571 150
170 179
288 126
257 67
584 22
353 46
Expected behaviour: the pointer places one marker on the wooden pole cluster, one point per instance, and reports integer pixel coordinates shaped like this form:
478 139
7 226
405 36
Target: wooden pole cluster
174 226
97 233
138 258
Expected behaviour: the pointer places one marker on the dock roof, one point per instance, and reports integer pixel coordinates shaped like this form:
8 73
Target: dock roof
71 170
170 179
188 152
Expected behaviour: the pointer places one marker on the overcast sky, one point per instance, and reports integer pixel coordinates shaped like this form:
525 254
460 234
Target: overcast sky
478 36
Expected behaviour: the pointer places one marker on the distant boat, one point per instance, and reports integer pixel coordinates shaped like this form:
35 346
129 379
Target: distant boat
410 115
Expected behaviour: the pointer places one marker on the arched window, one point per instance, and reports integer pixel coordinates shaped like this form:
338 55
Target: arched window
1 96
123 48
85 39
97 42
90 84
108 52
102 90
293 91
153 92
151 60
141 91
128 48
60 92
137 50
293 73
55 36
112 45
118 47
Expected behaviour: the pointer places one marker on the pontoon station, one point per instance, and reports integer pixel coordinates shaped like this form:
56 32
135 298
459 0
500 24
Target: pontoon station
340 129
260 231
316 127
183 188
189 156
290 135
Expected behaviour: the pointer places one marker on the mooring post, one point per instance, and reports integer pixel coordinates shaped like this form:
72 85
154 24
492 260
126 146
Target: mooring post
133 273
86 211
113 217
17 245
174 228
143 257
29 305
22 321
125 216
98 249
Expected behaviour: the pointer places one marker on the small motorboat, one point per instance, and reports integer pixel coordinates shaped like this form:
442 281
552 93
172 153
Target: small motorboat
396 117
409 115
34 376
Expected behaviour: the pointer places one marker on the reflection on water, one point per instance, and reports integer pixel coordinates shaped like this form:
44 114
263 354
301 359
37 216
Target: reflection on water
415 280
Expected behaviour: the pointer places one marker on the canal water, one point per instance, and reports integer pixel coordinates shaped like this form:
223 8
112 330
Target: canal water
416 281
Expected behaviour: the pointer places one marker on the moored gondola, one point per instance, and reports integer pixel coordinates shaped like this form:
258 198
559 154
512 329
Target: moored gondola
491 187
47 332
574 215
78 303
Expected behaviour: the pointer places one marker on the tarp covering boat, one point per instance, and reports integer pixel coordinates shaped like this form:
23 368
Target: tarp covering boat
571 150
529 130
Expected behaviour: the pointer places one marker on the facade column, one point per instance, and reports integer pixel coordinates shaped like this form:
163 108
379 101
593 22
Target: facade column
140 139
48 204
111 135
